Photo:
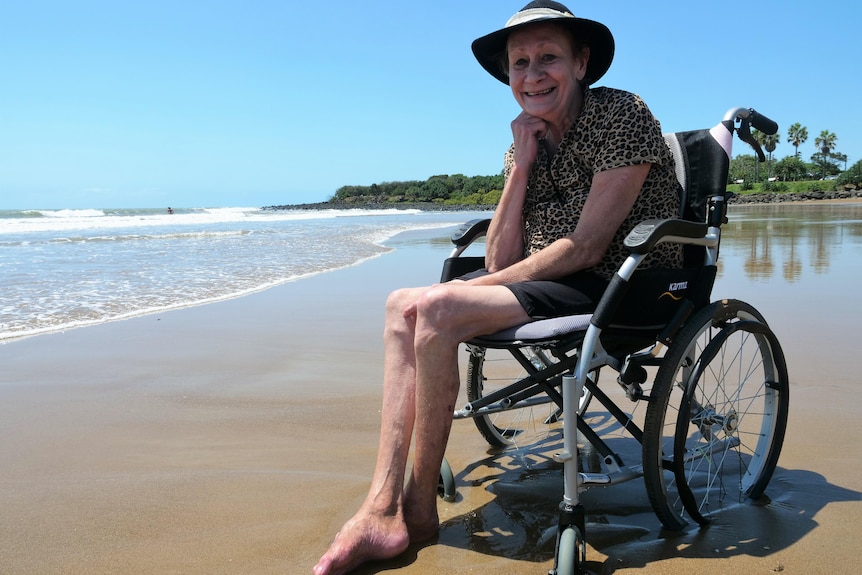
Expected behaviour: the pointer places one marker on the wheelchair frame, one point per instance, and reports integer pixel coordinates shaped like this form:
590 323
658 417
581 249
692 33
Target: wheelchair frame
706 445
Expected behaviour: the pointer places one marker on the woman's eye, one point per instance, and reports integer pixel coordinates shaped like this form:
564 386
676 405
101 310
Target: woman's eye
548 58
520 62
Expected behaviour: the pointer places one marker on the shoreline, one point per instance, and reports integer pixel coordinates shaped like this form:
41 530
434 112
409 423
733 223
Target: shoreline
380 241
5 339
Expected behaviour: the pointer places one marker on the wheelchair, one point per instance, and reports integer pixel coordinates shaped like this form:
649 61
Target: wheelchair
710 375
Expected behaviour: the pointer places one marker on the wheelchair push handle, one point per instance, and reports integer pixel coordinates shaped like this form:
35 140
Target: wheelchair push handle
752 117
748 117
762 123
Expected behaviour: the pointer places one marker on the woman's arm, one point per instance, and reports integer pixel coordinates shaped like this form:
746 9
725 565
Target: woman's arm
505 237
504 243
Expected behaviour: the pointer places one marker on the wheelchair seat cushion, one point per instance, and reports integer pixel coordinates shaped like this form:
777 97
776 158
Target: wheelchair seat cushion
543 330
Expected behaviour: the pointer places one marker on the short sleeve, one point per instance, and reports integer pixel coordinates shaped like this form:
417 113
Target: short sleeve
508 163
629 135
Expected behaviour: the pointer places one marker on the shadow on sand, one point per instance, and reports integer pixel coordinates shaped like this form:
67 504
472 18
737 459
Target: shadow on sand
518 522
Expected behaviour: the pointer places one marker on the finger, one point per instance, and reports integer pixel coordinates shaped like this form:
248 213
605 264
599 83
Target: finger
409 312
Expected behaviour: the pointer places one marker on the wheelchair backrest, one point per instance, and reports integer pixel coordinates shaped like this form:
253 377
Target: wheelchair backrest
701 169
701 164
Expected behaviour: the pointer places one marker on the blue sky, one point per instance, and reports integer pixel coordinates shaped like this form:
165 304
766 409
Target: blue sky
213 103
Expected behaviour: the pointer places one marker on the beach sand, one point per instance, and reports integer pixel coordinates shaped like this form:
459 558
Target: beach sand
237 437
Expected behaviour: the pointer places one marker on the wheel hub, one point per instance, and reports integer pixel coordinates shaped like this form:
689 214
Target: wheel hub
730 422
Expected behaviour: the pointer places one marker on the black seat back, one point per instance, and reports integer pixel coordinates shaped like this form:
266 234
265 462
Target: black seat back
701 169
701 165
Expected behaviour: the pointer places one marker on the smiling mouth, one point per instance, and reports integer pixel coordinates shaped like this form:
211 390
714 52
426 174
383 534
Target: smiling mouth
542 93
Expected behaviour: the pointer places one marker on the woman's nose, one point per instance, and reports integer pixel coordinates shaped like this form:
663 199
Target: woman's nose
535 71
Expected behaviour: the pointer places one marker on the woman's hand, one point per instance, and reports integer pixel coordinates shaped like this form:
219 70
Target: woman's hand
527 130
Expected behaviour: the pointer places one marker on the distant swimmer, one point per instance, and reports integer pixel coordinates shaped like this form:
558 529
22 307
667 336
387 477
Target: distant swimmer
170 210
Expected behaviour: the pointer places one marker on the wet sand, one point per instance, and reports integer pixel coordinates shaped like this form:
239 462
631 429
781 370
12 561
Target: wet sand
237 437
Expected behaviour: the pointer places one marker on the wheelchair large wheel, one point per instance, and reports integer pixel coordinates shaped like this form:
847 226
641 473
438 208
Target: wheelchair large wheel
715 356
732 420
519 422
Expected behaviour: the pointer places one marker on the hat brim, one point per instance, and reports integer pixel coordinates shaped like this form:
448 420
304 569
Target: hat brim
490 50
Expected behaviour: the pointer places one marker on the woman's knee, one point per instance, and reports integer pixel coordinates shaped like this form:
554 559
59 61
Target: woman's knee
437 308
395 301
433 312
400 312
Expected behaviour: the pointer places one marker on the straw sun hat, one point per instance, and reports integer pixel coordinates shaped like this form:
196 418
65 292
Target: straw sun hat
490 50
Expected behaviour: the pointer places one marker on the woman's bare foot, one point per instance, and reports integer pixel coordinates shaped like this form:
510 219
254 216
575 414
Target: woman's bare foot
366 537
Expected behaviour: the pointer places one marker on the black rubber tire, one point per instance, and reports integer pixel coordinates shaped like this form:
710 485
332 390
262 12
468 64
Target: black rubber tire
666 397
569 552
732 421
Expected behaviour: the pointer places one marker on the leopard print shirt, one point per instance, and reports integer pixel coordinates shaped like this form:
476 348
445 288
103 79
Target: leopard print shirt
615 129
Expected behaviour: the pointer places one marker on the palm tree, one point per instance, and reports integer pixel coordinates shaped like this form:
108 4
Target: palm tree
768 142
797 134
825 143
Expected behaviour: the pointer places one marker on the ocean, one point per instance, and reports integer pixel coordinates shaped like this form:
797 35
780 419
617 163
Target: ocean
62 269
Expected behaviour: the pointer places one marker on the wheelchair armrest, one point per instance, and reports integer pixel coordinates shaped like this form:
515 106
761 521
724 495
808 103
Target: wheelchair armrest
644 237
469 231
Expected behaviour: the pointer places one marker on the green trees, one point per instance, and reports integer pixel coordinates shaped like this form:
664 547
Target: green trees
825 162
459 189
790 168
852 176
842 158
825 142
743 169
455 189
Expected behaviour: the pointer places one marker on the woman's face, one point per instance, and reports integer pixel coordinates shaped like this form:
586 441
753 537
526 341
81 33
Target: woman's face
544 73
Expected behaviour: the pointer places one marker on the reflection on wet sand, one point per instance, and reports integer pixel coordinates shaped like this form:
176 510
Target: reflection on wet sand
789 238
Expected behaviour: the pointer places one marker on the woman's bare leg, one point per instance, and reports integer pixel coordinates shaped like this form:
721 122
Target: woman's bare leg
420 388
436 392
446 316
378 530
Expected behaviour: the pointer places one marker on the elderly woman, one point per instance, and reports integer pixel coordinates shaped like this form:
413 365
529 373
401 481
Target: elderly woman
586 165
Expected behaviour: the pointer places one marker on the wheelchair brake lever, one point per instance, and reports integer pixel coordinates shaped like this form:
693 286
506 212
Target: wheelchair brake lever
744 132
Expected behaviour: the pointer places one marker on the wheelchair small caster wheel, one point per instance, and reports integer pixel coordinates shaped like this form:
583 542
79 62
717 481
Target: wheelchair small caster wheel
571 553
446 486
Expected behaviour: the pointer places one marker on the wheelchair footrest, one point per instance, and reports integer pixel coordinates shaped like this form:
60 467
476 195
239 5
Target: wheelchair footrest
624 474
594 479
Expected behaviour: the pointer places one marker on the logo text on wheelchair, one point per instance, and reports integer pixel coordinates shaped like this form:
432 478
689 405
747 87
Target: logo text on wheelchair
674 287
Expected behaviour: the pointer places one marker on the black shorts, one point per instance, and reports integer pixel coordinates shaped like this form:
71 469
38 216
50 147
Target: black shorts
575 294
